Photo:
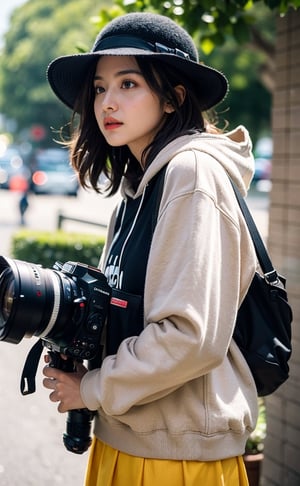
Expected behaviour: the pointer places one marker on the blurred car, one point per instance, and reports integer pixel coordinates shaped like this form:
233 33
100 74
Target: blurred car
263 168
53 174
13 172
263 153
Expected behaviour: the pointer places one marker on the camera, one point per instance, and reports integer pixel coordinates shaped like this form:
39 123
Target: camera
66 307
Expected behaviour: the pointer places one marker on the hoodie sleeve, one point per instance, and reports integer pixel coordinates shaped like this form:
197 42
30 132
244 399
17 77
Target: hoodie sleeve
200 266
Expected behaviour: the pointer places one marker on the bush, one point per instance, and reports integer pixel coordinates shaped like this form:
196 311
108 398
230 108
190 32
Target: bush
45 248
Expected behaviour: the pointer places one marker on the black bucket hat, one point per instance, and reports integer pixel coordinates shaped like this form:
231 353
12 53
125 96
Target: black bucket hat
140 34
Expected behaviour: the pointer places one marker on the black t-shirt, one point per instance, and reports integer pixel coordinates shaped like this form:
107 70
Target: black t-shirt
127 263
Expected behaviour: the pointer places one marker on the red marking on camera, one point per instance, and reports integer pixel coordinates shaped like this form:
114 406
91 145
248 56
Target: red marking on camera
119 302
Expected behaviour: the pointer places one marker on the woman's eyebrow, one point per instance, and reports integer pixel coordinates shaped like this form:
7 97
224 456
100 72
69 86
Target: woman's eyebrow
120 73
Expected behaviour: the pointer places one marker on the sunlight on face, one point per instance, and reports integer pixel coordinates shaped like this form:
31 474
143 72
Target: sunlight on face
127 111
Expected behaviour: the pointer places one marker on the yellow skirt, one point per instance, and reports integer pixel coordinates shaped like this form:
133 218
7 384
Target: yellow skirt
110 467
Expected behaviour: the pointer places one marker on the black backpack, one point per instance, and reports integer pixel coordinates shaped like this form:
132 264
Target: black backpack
263 325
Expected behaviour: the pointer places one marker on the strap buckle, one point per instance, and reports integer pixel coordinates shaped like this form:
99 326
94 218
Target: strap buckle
271 277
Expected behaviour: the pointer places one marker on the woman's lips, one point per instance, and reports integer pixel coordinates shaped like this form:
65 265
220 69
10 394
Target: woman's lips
111 123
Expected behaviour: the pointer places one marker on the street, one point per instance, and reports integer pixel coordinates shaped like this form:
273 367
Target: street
31 448
43 211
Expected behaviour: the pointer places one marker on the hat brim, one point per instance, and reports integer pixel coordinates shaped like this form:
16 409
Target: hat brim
66 74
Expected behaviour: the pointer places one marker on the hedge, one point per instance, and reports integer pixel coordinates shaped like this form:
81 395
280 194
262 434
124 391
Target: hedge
45 248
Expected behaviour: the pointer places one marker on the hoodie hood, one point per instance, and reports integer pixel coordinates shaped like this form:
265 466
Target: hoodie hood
232 150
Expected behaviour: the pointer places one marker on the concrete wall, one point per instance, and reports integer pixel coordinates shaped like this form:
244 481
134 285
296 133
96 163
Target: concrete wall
282 449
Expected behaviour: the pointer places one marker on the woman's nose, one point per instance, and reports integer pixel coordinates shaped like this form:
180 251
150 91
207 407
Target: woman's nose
109 102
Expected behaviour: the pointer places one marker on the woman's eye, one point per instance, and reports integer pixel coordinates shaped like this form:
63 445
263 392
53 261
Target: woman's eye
127 84
99 90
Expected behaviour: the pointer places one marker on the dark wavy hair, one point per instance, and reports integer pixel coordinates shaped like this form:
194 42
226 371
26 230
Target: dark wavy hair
91 155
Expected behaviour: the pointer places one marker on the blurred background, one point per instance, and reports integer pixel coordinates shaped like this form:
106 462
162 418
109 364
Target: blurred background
254 44
33 33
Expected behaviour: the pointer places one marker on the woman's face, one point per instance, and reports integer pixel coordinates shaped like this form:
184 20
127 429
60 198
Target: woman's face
127 111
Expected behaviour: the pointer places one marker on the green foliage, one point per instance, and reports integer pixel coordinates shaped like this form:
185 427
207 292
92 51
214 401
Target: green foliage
248 101
255 443
45 248
211 21
39 32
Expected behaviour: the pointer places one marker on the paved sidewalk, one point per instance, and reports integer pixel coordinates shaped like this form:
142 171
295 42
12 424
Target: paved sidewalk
31 448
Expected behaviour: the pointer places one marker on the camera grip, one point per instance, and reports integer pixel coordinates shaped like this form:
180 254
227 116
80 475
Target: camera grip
59 363
78 427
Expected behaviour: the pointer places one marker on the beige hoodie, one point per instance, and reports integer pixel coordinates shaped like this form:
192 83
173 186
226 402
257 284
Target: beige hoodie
182 389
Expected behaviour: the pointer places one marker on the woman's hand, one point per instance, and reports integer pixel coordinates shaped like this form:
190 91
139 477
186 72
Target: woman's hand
65 386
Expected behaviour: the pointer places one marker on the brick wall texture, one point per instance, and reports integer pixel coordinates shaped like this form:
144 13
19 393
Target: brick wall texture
281 464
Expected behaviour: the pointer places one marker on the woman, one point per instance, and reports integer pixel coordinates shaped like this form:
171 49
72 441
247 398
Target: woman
174 397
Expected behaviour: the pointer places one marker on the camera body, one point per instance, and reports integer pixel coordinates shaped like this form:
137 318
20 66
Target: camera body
90 301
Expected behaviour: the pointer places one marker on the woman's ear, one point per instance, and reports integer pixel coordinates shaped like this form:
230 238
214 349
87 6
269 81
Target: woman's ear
180 93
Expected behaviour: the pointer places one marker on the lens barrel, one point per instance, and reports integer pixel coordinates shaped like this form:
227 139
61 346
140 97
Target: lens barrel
77 437
25 287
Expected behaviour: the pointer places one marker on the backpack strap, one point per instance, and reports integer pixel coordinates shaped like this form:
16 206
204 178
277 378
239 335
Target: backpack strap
270 273
160 182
